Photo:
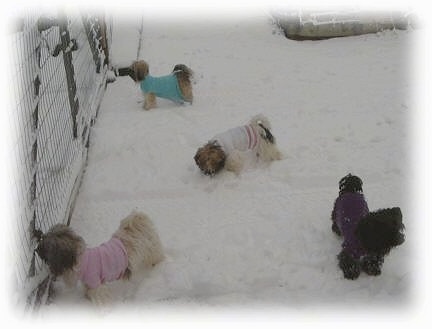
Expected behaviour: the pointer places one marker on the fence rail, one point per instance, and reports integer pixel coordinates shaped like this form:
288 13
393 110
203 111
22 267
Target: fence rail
58 67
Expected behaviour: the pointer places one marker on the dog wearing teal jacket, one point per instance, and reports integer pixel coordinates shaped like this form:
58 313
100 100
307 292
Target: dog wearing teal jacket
176 86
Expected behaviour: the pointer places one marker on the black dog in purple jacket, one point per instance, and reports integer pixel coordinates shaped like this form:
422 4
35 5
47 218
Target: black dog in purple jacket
367 236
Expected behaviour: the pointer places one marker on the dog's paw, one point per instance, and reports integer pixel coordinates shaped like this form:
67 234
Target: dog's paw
100 296
349 266
278 155
351 272
234 162
371 265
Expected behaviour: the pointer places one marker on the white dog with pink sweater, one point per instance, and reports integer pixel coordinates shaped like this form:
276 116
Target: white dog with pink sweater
134 243
227 150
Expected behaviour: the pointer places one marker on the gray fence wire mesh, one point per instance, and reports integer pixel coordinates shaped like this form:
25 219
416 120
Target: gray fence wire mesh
58 67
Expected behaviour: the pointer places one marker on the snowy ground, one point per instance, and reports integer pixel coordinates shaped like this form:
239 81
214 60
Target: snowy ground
261 240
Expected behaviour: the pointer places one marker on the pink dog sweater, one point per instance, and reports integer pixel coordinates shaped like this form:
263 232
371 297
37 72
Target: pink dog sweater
241 138
102 264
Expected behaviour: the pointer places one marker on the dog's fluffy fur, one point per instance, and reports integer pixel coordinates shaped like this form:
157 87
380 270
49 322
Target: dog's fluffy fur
61 249
373 234
215 156
140 69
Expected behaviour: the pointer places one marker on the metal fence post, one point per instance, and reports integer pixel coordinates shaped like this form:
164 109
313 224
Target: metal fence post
34 151
68 46
91 37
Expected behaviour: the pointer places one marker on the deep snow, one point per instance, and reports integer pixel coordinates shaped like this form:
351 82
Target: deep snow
260 240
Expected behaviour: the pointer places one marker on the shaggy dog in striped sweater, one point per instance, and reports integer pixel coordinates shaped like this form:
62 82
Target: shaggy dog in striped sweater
227 150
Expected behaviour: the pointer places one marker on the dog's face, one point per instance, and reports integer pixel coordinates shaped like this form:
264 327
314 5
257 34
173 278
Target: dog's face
350 183
59 248
381 230
140 70
210 158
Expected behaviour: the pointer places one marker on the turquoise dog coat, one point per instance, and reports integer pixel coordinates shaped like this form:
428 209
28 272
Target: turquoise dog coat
164 87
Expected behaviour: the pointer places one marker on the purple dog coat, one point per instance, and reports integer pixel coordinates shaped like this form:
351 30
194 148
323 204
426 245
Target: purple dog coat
349 209
105 263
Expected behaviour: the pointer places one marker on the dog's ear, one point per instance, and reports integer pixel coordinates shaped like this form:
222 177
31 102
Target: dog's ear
396 226
59 249
140 74
396 215
140 69
197 157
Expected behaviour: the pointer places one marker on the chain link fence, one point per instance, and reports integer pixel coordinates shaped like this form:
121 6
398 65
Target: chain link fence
58 73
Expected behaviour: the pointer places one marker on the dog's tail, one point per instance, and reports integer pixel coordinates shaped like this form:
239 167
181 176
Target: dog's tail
381 230
263 126
183 72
